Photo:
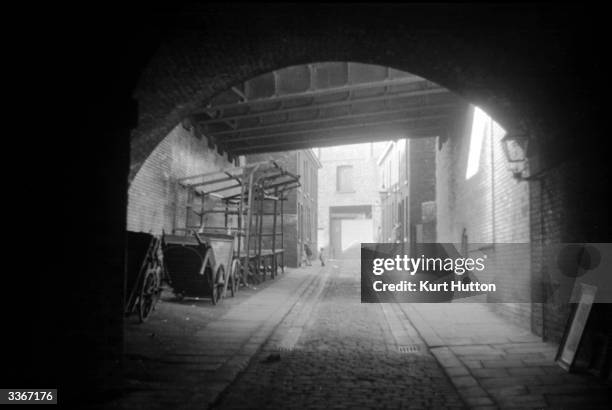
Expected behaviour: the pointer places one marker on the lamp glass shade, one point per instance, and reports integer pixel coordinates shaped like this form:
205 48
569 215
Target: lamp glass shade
515 147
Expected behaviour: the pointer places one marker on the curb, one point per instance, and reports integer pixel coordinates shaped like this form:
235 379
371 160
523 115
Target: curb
459 374
232 368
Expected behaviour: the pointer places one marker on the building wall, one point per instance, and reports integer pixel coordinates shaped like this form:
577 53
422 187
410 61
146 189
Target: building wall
422 162
155 202
300 208
362 157
567 208
408 174
394 171
491 207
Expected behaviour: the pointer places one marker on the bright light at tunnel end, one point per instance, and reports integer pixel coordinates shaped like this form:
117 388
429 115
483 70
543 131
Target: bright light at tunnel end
481 123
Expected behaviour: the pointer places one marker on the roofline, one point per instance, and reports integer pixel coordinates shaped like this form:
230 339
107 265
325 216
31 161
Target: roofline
314 157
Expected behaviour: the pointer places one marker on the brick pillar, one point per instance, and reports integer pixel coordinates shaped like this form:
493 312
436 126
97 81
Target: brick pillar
90 287
568 204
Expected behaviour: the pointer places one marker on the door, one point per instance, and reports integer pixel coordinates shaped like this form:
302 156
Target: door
336 238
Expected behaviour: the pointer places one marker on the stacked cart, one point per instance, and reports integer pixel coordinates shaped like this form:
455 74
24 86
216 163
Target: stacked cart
233 229
144 273
200 266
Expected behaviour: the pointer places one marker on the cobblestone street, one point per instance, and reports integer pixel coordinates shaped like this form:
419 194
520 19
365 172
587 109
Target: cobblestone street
331 351
305 340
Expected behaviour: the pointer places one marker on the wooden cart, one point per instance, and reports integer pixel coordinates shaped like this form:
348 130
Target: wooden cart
262 263
193 267
144 273
222 246
235 199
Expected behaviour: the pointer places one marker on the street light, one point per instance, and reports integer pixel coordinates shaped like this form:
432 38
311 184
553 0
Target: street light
515 147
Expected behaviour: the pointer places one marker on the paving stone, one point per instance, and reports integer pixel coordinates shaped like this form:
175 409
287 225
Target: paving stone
475 350
473 364
479 401
343 354
507 391
514 369
486 373
480 357
501 363
345 357
464 381
526 371
457 371
531 400
495 382
475 391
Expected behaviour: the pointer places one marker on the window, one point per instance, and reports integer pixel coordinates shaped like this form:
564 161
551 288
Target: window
344 178
407 160
479 125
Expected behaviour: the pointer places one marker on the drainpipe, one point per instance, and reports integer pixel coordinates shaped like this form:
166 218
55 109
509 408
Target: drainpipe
491 149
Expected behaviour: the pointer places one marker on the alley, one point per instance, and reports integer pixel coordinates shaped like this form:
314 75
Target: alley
306 341
334 352
223 188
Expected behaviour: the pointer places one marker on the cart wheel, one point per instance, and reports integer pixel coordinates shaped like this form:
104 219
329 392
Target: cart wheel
216 289
214 295
235 272
148 294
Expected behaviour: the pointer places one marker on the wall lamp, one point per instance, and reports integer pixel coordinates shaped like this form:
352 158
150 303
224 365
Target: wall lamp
515 147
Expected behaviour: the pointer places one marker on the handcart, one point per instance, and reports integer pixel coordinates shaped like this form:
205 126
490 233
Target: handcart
194 268
236 201
223 247
144 273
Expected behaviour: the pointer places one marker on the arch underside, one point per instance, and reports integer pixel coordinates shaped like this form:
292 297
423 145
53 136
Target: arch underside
216 54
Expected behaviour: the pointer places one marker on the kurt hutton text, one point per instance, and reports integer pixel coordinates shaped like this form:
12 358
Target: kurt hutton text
427 286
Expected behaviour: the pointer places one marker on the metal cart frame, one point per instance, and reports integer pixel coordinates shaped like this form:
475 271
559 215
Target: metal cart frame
243 193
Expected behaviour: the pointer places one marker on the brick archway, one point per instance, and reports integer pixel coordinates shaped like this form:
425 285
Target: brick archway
495 66
535 67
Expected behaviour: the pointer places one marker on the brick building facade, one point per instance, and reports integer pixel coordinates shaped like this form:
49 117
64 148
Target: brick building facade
349 207
155 201
408 191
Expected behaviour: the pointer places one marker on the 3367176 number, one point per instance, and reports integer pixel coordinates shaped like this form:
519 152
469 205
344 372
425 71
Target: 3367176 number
30 396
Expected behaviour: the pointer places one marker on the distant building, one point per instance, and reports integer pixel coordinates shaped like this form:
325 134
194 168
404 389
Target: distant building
300 209
407 170
349 208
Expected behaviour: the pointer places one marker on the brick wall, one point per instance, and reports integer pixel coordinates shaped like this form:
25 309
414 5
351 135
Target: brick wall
193 64
422 183
394 169
155 203
362 157
422 175
407 188
491 207
568 206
